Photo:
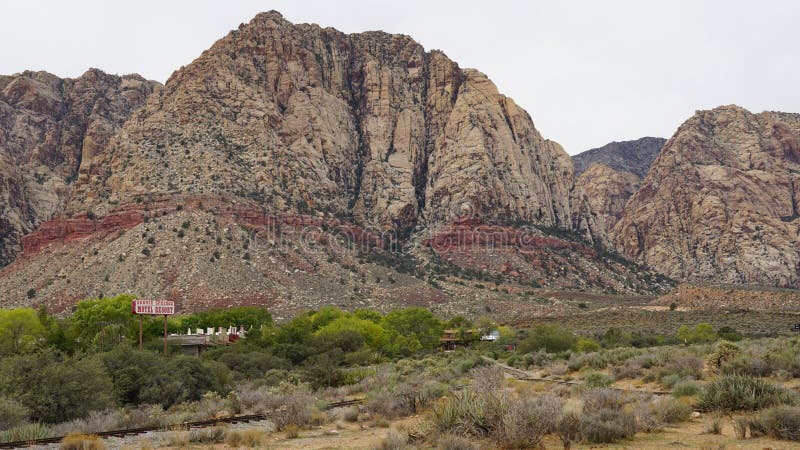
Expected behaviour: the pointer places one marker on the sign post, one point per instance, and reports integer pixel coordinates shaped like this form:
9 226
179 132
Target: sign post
153 308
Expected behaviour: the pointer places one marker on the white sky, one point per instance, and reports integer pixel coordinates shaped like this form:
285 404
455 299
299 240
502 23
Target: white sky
588 72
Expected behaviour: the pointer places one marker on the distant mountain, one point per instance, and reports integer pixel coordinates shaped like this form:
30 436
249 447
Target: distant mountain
629 156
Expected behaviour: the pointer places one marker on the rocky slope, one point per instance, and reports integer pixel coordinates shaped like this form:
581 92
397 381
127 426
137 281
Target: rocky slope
282 138
627 156
369 125
50 129
720 202
608 190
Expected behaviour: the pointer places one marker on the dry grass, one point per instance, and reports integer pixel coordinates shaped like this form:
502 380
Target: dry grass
82 442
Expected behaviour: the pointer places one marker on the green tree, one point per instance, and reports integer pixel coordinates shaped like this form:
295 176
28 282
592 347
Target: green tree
415 324
56 389
342 329
249 317
550 338
702 332
20 331
114 315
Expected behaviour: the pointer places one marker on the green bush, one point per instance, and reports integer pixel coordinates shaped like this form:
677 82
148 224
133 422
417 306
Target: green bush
686 389
598 380
26 432
743 393
550 338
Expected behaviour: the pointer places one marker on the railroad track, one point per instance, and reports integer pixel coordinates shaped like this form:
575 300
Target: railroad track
182 426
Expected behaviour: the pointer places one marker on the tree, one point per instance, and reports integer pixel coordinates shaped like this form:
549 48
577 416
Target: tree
20 331
415 323
702 332
238 316
549 338
56 389
342 329
92 315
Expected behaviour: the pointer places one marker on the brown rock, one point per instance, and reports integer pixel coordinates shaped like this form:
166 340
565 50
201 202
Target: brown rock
607 190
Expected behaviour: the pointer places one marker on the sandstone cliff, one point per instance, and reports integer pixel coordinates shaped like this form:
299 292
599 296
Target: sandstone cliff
627 156
720 202
608 190
369 126
281 165
50 129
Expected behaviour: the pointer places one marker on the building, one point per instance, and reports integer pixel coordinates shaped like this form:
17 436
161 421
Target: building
194 343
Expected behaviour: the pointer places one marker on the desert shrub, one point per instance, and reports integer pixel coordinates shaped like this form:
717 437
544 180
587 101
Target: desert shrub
646 418
782 422
729 334
297 409
12 413
607 425
740 425
596 399
26 432
251 437
685 366
82 442
743 393
526 421
715 425
702 332
671 410
585 345
183 378
212 435
350 414
668 381
723 352
291 431
452 442
568 428
598 380
395 440
685 389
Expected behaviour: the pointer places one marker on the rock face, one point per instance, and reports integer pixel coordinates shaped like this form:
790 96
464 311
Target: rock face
608 190
368 126
50 129
627 156
280 166
720 202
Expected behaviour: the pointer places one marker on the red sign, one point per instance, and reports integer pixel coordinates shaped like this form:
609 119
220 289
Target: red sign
153 307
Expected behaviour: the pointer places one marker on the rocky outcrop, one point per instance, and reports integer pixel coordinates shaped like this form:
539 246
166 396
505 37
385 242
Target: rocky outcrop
626 156
50 129
720 202
368 126
607 190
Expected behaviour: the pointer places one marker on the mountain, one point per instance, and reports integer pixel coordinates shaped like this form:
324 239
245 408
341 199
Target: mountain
50 129
720 202
626 156
294 166
608 190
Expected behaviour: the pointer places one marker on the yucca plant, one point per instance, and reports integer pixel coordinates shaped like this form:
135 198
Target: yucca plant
27 432
743 393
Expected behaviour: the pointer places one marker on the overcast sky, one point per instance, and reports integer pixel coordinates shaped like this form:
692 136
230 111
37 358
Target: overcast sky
588 72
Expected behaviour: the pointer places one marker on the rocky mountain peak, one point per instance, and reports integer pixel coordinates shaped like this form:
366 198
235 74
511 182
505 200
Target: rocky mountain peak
720 202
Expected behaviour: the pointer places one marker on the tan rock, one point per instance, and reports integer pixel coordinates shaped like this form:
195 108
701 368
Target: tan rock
720 202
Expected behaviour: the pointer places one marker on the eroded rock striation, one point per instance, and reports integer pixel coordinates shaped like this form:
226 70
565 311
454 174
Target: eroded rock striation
720 202
50 129
607 190
368 125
